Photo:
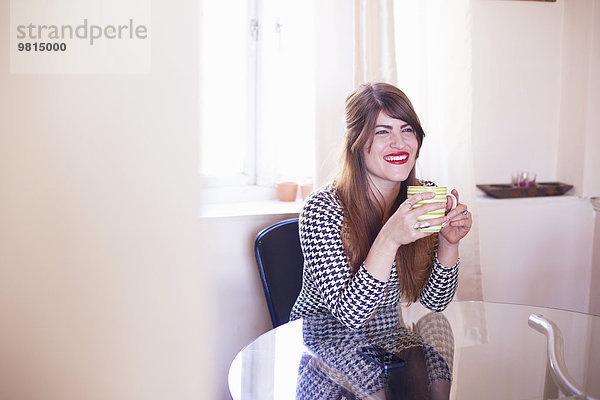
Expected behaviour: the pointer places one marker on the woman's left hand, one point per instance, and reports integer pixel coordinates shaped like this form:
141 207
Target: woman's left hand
459 223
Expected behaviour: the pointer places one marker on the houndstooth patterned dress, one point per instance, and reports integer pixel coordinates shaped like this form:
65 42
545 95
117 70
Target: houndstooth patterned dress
328 284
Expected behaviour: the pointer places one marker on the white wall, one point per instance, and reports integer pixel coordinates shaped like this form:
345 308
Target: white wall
595 276
579 140
240 313
516 88
591 181
103 294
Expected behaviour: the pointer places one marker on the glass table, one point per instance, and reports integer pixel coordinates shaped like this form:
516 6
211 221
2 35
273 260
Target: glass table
472 350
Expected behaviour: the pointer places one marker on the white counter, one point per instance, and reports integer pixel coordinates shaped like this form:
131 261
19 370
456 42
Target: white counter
537 250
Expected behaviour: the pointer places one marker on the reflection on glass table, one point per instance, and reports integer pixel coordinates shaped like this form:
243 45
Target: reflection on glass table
472 350
382 360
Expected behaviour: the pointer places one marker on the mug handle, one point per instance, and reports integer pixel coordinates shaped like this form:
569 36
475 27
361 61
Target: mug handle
454 201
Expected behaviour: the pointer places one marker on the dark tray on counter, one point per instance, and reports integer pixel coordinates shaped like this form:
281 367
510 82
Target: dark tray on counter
505 191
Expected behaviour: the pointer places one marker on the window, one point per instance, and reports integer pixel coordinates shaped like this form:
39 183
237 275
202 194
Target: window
257 92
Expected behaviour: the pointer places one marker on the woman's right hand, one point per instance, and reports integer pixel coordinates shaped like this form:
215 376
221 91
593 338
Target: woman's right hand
403 226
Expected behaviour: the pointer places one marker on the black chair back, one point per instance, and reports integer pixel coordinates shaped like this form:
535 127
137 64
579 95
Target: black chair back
280 262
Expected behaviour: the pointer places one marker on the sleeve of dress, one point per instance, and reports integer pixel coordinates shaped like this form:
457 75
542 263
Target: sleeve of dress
351 299
440 288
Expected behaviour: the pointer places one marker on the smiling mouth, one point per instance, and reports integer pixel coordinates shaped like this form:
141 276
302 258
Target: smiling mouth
397 158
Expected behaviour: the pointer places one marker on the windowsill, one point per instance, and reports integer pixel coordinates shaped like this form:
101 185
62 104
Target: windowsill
483 198
266 205
249 208
239 201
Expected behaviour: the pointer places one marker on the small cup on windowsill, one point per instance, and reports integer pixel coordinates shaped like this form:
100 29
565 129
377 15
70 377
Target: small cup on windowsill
305 190
287 191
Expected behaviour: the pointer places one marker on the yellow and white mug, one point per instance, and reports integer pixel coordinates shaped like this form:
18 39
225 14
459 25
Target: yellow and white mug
440 196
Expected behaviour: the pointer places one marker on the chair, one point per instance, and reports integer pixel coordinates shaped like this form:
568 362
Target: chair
280 263
557 375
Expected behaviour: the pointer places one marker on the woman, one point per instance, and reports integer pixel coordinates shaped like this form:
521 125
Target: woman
362 244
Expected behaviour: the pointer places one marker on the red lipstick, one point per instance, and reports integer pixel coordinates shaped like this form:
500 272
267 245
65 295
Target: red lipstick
398 158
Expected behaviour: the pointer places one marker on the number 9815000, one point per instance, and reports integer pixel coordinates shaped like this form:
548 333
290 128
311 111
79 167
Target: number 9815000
42 46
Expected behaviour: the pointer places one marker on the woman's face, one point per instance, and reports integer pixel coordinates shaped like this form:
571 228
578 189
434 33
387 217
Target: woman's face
392 154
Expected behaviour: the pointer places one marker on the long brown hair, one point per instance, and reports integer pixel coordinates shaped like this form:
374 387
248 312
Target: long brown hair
363 215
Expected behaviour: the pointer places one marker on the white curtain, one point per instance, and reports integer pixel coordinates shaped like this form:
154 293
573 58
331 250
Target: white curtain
424 47
374 46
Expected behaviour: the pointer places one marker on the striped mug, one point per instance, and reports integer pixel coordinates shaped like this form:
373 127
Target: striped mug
440 196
